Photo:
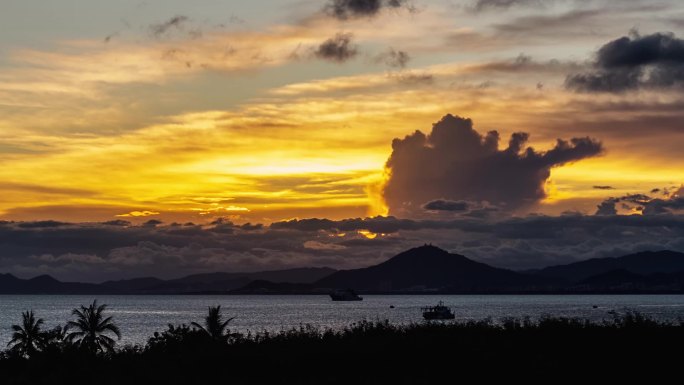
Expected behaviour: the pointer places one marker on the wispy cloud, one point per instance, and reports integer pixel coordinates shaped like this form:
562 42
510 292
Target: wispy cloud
338 49
175 22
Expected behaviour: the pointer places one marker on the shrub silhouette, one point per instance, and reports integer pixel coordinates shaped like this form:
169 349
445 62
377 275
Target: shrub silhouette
372 352
54 340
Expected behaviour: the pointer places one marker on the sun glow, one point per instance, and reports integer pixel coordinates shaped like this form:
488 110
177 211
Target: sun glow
368 234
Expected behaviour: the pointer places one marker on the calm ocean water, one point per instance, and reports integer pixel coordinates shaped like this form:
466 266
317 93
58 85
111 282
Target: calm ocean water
140 316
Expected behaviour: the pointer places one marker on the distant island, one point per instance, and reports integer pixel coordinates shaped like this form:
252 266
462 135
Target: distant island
421 270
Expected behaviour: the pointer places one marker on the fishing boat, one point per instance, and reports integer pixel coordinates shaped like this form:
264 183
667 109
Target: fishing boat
345 295
438 312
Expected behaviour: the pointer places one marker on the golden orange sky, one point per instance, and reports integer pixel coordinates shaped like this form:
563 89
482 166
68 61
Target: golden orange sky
249 121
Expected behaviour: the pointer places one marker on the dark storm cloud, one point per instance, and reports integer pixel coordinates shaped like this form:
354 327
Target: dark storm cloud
338 49
634 62
455 162
347 9
446 205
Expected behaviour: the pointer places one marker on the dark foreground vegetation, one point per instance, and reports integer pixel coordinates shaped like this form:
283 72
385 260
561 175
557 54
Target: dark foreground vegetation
554 350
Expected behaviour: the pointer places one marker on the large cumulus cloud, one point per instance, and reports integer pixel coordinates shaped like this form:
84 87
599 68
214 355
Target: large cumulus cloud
454 162
633 62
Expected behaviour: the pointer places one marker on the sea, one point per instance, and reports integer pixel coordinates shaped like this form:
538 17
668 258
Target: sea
139 316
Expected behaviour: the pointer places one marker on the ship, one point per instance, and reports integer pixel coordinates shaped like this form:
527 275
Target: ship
345 295
438 312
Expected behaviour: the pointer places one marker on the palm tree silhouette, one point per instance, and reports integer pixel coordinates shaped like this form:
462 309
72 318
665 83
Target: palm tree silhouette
214 325
27 337
91 328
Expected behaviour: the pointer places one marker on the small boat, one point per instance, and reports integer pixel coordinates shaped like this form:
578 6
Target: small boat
437 312
345 295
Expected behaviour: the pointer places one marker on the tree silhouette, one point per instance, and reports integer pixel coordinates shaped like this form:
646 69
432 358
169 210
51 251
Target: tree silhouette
27 337
214 325
91 329
53 340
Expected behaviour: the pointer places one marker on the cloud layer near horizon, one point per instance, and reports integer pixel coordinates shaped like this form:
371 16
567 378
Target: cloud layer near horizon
117 249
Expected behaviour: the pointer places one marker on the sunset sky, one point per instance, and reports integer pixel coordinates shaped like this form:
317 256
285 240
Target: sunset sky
140 137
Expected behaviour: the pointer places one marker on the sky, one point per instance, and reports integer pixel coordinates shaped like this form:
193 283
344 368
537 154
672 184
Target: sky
170 137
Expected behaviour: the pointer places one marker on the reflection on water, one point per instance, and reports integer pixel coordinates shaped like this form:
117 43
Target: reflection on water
140 316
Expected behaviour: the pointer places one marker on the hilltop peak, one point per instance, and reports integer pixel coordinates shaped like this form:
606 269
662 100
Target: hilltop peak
427 247
426 254
426 268
43 278
644 262
425 250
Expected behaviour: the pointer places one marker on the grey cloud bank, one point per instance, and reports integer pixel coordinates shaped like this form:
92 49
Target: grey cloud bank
97 251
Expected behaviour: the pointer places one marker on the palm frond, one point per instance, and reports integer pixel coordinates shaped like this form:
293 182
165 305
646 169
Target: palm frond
227 322
113 328
195 324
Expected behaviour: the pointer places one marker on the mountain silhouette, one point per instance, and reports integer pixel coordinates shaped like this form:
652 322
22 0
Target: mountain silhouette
268 287
613 277
429 268
135 285
643 263
622 280
425 269
223 282
198 283
45 284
